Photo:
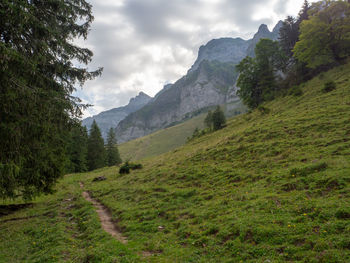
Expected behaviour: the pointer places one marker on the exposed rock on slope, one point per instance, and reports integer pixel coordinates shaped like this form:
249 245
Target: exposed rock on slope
222 49
107 119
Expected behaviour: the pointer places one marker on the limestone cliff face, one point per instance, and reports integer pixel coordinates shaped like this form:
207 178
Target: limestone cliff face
223 50
209 82
111 118
206 86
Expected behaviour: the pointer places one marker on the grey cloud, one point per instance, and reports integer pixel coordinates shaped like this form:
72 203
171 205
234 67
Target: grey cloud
281 7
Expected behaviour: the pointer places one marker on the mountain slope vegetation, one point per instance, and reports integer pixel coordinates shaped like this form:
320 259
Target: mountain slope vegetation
272 186
160 141
170 138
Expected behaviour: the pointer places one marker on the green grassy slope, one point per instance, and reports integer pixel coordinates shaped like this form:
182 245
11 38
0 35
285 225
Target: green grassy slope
170 138
267 188
59 228
161 141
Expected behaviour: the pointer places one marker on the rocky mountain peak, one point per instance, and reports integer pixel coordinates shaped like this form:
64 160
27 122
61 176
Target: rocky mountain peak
141 98
276 29
223 50
263 29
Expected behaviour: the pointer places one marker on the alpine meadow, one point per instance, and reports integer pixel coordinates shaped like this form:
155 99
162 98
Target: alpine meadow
242 156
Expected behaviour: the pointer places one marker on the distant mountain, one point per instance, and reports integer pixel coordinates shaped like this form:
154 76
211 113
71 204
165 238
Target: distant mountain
108 119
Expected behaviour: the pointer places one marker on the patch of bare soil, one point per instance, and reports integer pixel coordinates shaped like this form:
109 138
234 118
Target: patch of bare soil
105 217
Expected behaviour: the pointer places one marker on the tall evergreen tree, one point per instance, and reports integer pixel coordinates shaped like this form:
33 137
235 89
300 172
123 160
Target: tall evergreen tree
290 31
37 77
218 119
304 12
208 121
113 157
77 150
96 156
289 35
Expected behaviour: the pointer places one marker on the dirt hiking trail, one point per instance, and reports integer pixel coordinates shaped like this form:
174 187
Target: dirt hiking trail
105 217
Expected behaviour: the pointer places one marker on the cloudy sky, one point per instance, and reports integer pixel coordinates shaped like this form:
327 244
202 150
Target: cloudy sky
144 44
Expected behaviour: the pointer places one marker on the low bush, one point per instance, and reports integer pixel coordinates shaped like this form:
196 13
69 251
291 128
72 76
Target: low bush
343 213
126 167
295 91
329 86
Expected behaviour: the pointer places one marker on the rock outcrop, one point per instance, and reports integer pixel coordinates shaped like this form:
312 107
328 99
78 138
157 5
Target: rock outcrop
223 50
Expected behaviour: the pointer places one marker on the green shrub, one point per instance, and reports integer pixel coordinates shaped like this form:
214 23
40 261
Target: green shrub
124 169
343 213
295 91
329 86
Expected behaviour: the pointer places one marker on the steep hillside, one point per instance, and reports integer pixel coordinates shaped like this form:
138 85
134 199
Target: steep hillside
160 141
110 119
270 187
168 139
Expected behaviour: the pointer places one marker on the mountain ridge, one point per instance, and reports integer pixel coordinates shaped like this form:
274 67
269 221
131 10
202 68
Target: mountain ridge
110 118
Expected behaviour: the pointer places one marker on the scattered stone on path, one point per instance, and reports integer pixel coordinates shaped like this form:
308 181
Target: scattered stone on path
99 178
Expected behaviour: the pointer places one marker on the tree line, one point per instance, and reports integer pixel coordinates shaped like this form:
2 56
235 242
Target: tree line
87 151
317 40
38 74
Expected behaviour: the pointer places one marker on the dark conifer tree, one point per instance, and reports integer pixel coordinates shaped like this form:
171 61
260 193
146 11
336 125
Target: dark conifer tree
218 119
77 150
290 30
96 156
113 157
208 121
37 77
289 35
303 13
